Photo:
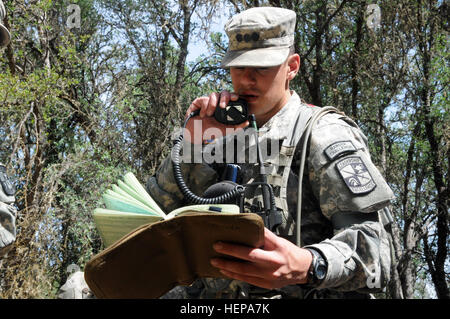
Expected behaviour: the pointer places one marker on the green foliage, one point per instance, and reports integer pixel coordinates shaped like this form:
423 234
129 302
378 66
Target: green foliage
80 107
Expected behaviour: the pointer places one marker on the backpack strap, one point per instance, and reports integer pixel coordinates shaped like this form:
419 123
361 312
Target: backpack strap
318 113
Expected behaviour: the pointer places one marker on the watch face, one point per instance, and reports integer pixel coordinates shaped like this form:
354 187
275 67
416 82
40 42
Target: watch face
321 271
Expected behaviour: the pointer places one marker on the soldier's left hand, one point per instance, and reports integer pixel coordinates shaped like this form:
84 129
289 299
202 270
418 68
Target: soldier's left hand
279 263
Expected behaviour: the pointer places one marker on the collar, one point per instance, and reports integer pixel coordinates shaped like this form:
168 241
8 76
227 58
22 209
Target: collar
276 127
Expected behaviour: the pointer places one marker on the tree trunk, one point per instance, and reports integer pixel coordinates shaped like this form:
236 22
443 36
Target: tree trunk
354 60
395 286
183 43
426 46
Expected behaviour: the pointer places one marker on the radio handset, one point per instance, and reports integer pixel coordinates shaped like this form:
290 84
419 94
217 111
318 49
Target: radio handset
236 112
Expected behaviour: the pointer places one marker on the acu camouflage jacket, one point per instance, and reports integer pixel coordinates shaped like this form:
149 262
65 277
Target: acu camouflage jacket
343 196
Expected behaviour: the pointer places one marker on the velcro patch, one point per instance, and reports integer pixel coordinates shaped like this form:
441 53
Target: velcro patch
356 175
338 148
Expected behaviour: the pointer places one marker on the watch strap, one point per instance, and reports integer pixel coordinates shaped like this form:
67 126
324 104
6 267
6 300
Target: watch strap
317 259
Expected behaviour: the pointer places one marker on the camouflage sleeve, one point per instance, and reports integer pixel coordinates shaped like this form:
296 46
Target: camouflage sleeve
350 190
164 189
7 212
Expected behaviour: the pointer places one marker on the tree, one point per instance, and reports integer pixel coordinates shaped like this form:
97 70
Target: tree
80 106
43 112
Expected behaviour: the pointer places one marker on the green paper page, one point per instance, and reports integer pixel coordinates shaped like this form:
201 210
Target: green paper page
219 208
113 225
127 189
132 181
123 193
114 201
129 206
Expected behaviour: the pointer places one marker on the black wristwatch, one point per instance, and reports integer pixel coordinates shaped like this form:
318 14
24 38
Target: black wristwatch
318 269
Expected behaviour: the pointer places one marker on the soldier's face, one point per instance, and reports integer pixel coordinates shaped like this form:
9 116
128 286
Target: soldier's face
265 89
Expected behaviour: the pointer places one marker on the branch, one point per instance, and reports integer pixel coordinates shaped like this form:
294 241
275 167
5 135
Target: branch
10 51
322 28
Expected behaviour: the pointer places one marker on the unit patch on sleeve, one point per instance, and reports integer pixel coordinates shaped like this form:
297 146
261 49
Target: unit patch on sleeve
338 148
356 175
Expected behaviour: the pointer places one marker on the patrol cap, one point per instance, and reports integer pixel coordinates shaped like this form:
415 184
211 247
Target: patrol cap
259 37
4 33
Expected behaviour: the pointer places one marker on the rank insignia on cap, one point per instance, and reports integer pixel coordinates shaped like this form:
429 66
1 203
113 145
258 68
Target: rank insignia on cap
356 175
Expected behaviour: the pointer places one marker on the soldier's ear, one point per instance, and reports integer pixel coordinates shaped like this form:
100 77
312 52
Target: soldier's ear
294 66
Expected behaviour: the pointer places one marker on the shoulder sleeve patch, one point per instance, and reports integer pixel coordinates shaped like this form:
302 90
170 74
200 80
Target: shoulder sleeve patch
338 148
356 175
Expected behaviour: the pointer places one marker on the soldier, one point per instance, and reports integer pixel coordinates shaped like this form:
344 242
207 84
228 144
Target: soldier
344 251
7 191
75 287
7 212
4 33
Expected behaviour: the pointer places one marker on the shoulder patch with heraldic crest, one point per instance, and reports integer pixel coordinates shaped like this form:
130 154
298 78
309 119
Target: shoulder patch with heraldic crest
356 175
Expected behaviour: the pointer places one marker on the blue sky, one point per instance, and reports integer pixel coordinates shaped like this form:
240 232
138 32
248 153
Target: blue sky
198 46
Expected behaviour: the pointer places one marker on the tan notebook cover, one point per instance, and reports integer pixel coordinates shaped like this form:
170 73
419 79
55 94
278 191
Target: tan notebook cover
155 258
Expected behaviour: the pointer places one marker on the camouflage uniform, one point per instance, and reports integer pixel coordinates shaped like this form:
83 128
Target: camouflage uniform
343 193
4 33
75 287
357 254
7 212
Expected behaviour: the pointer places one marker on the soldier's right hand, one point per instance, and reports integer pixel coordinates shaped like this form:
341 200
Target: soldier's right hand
205 127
